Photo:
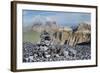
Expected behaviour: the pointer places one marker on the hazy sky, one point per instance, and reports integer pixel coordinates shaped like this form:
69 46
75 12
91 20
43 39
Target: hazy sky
61 18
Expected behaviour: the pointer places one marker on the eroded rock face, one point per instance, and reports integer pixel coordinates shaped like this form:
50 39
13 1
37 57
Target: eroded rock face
80 35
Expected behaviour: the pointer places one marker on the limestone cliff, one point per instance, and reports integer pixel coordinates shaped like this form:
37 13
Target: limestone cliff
80 35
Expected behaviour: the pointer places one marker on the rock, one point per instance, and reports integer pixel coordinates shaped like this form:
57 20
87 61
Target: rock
72 37
84 27
83 34
40 26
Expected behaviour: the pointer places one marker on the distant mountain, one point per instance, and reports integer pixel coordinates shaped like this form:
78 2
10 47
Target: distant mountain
84 27
48 26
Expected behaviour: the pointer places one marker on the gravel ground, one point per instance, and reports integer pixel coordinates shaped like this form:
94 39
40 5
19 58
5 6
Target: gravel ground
44 53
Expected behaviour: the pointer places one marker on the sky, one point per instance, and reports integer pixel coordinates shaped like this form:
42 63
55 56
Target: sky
61 18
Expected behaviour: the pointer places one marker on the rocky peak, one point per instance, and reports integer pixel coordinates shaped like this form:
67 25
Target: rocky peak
84 26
